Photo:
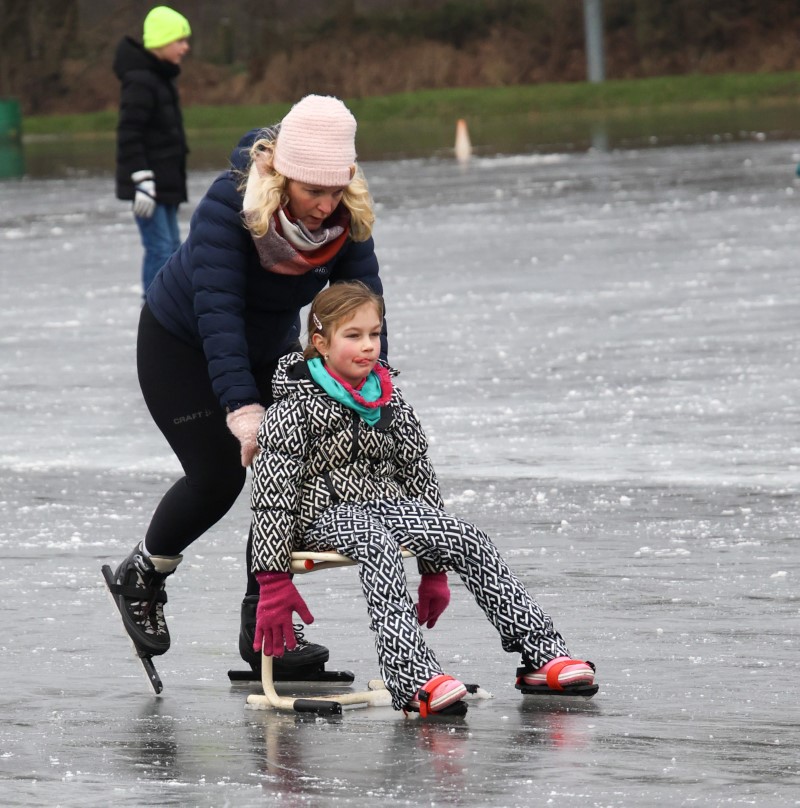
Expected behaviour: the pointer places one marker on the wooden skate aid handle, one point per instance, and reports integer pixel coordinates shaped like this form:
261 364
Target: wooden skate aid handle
303 561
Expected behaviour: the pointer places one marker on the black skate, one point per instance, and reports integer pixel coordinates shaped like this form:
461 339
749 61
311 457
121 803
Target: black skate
137 589
306 663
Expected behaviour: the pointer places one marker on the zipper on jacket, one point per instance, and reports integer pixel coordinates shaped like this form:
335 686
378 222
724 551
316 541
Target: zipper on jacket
335 498
326 476
354 452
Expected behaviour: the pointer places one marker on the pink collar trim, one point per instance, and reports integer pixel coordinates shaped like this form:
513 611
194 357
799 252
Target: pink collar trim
383 377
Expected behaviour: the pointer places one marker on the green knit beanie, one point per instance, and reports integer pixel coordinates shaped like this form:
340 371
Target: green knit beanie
164 25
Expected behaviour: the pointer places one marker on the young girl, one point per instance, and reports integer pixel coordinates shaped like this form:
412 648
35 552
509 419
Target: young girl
344 466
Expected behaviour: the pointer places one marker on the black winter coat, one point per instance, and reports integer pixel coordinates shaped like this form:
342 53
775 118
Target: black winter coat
315 453
150 131
214 294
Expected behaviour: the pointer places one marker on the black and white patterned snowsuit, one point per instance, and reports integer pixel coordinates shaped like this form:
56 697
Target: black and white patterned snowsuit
325 479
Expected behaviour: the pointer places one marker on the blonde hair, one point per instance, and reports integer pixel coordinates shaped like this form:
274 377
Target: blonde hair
335 305
270 193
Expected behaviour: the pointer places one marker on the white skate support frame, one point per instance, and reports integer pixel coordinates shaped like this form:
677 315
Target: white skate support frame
376 694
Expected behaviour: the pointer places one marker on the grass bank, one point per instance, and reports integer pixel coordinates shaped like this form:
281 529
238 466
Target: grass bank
627 97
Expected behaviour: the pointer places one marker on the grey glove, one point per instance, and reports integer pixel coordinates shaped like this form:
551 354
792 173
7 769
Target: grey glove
144 203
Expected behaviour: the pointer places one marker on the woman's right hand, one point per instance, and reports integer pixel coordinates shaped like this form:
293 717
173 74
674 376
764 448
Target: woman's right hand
278 600
244 424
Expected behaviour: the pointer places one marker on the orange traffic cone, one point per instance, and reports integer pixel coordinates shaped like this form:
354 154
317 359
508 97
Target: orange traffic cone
463 147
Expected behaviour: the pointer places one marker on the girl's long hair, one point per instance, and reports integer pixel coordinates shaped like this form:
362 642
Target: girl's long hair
270 193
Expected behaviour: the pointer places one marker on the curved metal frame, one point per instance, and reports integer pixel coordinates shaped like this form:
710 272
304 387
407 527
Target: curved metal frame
330 704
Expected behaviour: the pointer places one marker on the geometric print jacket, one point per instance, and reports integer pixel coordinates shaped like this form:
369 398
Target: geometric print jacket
315 453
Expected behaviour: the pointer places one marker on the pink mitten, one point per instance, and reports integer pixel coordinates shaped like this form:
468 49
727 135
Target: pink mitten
434 595
277 601
244 424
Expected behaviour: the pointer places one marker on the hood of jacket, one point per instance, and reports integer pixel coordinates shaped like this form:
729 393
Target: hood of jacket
291 373
132 55
240 156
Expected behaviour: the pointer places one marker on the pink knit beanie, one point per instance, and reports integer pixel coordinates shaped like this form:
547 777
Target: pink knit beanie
317 142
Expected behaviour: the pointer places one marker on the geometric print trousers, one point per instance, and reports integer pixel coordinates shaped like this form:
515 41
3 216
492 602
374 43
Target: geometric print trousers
372 533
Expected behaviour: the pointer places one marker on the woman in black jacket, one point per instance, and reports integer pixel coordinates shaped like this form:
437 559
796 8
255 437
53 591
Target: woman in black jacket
292 215
151 143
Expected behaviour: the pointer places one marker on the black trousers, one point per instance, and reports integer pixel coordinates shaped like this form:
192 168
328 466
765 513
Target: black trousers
177 390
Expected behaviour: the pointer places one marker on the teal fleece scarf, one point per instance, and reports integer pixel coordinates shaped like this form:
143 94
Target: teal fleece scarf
370 391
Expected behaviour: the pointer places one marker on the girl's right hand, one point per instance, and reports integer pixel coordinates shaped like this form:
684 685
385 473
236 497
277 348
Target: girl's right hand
278 600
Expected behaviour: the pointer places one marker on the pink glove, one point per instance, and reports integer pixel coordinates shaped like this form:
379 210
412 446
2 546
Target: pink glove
244 424
277 601
434 595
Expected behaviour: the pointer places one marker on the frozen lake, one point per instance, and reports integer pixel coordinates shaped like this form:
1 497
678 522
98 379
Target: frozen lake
604 350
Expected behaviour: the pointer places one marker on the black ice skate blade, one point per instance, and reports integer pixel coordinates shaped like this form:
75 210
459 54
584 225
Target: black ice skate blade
587 691
313 675
146 660
456 710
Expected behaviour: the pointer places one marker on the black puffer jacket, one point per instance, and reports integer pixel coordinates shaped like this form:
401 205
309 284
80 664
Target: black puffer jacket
214 294
150 129
316 453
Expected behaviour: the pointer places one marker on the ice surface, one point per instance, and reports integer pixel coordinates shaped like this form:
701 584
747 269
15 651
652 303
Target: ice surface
603 348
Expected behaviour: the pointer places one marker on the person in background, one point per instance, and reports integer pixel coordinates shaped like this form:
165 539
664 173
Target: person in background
344 466
151 142
291 215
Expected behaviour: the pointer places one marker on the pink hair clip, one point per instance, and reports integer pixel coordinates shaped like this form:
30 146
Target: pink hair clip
317 323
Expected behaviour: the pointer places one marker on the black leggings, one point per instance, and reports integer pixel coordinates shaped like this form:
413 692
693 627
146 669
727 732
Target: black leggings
177 390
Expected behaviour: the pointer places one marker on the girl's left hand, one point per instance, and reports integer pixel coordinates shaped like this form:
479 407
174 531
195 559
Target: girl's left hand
434 597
